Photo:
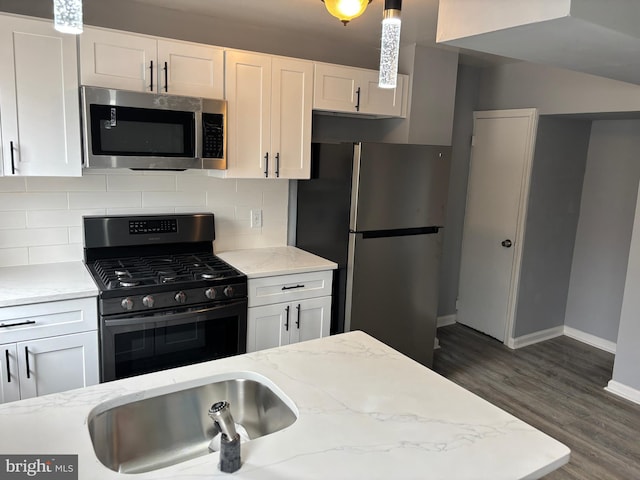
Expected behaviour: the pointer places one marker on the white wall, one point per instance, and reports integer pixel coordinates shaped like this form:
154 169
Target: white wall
41 217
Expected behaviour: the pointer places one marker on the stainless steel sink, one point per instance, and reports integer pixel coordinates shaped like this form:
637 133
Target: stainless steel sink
169 428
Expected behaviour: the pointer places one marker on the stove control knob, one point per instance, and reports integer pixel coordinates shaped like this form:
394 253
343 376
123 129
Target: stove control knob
127 303
181 297
228 291
148 301
210 293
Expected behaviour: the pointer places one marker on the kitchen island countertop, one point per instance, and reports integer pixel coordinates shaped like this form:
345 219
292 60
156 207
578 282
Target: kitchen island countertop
267 262
26 284
364 411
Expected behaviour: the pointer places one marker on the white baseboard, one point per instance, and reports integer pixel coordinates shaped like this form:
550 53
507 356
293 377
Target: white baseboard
623 391
535 337
589 339
447 320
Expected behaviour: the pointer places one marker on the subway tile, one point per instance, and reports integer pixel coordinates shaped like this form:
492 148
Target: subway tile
56 253
33 237
222 187
59 218
138 211
249 192
276 198
13 184
141 183
33 201
90 183
224 244
78 200
76 235
10 257
173 199
243 214
195 209
17 219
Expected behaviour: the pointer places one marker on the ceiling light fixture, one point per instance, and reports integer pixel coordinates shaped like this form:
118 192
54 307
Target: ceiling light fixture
346 10
67 16
390 44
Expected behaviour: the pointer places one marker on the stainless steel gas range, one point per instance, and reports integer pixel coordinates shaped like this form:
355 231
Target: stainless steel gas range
165 299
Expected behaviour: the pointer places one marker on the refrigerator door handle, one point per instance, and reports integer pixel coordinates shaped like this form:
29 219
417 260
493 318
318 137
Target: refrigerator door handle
355 185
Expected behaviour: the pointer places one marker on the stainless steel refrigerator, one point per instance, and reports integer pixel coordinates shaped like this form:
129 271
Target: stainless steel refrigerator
377 210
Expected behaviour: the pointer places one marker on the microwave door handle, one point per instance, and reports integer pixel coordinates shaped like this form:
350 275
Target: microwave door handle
199 135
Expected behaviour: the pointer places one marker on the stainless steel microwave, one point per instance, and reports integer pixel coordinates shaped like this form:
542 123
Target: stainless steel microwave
146 131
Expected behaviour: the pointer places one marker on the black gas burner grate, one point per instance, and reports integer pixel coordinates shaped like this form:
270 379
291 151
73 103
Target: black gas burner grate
158 270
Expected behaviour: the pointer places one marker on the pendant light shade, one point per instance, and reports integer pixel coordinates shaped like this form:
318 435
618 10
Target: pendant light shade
390 44
67 16
346 10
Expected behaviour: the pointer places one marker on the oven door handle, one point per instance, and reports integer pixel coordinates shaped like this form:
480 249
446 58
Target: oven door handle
174 318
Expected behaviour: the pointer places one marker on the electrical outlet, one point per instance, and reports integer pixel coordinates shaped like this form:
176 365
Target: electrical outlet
256 218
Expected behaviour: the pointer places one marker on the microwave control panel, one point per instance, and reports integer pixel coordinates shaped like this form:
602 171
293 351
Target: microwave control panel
212 135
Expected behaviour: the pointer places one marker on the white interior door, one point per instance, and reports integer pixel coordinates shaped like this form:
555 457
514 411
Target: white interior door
494 219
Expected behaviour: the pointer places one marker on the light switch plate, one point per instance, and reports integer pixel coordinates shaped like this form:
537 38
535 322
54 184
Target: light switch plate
256 218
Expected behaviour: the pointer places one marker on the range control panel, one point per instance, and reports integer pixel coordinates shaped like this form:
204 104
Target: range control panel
141 227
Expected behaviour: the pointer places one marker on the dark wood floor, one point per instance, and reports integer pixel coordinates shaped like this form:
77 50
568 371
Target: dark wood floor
556 386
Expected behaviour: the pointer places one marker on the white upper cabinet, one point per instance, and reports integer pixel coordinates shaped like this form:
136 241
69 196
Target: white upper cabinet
269 116
355 91
127 61
39 108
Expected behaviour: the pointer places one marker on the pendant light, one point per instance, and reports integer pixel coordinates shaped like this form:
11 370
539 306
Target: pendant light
390 44
67 16
346 10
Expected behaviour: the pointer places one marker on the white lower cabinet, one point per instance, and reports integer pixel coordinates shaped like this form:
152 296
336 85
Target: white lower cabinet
284 323
288 309
47 350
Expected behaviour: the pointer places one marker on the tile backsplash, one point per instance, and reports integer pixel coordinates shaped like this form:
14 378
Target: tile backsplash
41 217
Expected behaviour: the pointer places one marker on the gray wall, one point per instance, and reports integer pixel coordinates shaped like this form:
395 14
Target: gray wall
604 230
552 218
625 370
465 104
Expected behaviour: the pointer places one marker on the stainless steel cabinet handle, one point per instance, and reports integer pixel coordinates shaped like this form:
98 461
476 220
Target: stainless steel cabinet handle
286 322
266 165
358 99
151 77
26 322
298 320
6 355
26 355
13 162
166 77
278 165
294 286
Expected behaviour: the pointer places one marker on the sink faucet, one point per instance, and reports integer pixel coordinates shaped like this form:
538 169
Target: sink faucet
220 413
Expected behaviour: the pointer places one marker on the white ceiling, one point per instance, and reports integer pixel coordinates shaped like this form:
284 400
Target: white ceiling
419 17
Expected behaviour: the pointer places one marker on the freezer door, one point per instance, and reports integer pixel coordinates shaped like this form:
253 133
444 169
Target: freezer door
392 291
399 186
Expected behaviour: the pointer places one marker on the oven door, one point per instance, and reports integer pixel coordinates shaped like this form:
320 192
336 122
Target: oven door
133 345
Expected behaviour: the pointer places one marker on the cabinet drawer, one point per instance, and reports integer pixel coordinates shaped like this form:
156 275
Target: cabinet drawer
288 288
39 320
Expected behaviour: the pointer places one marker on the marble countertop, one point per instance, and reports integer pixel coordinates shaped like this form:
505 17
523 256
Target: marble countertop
364 411
267 262
25 284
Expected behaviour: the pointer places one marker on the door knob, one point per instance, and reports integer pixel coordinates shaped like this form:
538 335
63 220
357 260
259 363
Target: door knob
507 243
